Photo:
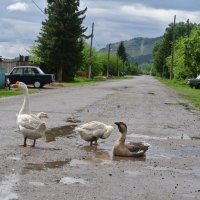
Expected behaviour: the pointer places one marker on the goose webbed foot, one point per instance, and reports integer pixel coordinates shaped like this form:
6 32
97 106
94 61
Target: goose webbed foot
24 145
33 145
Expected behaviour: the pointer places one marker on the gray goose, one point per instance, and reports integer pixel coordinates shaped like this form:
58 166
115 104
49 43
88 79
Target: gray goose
120 148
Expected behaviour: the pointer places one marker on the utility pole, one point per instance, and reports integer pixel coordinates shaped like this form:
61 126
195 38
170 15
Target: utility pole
89 71
117 66
188 28
173 41
107 75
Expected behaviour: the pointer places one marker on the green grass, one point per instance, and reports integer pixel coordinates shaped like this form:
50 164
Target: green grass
78 81
82 81
192 95
6 93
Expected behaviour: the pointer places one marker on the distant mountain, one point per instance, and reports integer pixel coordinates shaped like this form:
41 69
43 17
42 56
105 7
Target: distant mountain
138 49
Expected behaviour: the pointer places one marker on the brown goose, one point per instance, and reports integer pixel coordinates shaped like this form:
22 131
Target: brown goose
135 149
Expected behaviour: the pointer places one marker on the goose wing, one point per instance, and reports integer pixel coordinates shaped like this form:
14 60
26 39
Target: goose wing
28 121
93 125
137 146
93 128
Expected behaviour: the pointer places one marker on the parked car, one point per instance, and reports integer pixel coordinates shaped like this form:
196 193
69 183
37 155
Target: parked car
30 75
195 82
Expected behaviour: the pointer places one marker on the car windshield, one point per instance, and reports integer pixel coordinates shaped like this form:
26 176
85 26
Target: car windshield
40 71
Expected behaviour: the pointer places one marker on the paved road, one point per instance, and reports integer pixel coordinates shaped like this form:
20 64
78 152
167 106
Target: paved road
62 166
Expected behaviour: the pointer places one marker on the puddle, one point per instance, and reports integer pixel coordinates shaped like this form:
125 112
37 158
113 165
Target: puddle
6 187
172 153
191 171
63 131
98 152
73 120
134 159
71 180
101 156
75 162
43 166
147 137
195 138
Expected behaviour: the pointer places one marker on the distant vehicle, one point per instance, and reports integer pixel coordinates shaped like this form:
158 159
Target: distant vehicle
30 75
195 82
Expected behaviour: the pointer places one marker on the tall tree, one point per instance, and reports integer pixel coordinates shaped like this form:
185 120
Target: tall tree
59 42
121 53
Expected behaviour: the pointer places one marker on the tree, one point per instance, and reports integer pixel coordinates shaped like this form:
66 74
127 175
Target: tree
91 59
59 43
121 52
181 70
163 50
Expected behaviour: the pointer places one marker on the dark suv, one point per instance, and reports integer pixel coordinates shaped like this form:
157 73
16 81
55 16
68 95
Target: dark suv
30 75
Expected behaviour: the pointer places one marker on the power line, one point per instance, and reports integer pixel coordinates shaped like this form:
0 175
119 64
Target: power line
38 7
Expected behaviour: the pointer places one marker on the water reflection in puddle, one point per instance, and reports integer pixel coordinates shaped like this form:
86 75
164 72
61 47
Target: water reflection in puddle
63 131
101 156
147 137
118 158
164 153
43 166
73 120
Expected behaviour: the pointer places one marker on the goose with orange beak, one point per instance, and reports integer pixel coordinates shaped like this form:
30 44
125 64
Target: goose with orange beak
30 125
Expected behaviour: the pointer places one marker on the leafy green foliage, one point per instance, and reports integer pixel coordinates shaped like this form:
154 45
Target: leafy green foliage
182 57
193 51
146 68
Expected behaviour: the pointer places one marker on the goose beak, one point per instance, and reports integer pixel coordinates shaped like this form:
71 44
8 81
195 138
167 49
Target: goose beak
16 85
117 123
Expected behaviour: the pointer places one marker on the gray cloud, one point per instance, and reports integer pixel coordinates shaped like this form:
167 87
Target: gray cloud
115 20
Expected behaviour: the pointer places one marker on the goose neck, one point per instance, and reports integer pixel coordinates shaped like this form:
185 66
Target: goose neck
25 109
122 138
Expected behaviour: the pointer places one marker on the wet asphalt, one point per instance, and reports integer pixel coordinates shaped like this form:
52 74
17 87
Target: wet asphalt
62 166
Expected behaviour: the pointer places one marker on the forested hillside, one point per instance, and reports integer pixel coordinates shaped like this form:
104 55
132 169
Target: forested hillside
138 49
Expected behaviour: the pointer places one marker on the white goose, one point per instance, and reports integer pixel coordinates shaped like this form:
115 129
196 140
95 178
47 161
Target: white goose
94 130
30 125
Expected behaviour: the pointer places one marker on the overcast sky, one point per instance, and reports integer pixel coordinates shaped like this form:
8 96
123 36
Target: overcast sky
114 20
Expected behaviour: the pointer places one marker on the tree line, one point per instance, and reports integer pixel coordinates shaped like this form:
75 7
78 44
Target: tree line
186 54
61 46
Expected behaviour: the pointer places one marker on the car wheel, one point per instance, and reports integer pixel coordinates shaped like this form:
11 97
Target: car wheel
37 84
